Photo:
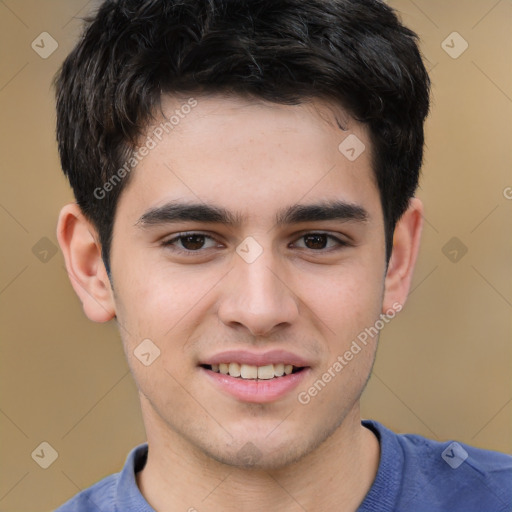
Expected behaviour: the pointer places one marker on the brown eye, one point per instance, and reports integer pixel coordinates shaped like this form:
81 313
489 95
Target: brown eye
189 243
192 242
315 241
319 242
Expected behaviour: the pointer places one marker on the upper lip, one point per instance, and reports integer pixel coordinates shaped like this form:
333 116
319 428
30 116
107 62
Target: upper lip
256 358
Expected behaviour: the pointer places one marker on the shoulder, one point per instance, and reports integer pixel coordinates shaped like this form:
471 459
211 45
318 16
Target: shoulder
116 492
449 456
97 498
449 475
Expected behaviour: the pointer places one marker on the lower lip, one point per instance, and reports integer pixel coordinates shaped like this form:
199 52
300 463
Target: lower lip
257 391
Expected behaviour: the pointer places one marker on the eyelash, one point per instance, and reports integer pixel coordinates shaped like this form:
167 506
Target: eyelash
170 243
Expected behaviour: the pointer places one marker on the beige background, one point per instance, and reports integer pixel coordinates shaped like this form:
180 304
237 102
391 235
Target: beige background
444 366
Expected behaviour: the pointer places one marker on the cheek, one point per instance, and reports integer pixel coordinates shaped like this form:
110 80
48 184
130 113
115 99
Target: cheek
159 302
348 300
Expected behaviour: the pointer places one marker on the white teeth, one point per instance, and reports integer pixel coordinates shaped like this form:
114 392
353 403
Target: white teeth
279 369
234 369
266 372
248 371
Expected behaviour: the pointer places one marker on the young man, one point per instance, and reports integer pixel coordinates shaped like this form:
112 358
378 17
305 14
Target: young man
244 174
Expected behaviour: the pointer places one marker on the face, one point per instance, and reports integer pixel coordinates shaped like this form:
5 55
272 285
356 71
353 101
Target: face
246 241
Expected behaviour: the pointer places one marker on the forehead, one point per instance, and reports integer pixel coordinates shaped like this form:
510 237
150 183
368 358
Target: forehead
247 154
214 116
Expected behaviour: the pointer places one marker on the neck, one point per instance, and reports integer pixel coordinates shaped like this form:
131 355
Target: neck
336 476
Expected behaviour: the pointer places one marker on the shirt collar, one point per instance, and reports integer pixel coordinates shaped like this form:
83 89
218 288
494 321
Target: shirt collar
128 496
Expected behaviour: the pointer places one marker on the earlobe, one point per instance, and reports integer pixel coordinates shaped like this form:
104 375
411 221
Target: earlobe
82 253
406 243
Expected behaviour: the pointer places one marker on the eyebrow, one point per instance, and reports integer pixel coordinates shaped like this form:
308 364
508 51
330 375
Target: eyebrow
174 211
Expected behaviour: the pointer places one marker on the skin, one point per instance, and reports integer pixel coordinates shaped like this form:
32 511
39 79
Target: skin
252 158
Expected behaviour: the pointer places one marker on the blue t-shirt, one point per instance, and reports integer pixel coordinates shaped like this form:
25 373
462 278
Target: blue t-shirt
415 474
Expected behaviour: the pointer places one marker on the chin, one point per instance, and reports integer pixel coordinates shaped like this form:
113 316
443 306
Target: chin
259 452
250 457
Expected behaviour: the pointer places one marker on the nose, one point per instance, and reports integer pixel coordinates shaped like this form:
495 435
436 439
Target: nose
258 297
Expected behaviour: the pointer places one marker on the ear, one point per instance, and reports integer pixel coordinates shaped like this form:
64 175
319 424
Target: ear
80 246
406 243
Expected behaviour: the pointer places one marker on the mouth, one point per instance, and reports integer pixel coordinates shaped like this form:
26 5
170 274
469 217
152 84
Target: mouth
255 377
252 372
